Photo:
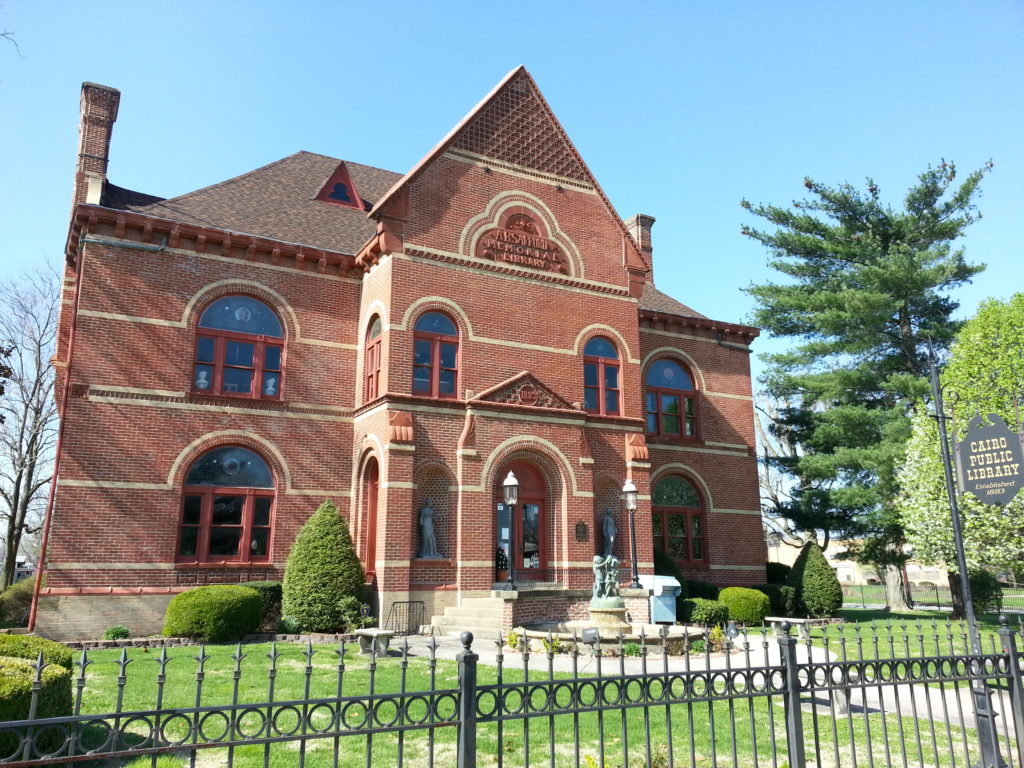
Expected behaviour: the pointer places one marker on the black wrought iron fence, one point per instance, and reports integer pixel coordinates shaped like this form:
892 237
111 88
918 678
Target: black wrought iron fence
865 695
925 597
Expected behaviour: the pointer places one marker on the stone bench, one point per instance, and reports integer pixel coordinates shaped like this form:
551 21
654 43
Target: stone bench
803 626
374 641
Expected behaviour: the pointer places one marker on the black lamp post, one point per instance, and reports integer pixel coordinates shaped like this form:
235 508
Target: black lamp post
511 490
629 496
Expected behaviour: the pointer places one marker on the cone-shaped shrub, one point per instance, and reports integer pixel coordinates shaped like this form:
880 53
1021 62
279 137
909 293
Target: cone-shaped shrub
818 593
322 572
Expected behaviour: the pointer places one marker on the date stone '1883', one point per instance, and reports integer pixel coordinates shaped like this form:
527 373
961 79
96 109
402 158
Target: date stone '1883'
989 460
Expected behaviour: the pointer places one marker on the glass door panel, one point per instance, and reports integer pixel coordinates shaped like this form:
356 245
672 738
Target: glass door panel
530 548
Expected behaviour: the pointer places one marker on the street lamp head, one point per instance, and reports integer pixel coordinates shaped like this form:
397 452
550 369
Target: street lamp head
629 495
511 489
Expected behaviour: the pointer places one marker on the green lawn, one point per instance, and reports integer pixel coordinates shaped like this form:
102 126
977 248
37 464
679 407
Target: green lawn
712 742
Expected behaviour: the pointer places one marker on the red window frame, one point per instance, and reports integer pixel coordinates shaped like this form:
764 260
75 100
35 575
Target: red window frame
688 419
434 367
601 367
219 363
371 362
663 535
204 527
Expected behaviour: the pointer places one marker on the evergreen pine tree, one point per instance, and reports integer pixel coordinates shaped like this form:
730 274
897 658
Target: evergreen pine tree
322 575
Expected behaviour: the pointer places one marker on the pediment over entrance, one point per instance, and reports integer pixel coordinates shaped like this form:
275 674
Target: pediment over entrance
523 389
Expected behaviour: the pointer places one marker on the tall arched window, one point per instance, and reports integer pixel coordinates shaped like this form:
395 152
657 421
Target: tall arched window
671 401
435 369
601 377
677 515
371 363
239 350
227 508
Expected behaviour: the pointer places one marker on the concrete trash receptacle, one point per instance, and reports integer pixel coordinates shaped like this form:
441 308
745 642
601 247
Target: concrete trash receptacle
664 591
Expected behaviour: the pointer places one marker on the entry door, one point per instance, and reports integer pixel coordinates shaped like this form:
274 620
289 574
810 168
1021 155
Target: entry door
529 535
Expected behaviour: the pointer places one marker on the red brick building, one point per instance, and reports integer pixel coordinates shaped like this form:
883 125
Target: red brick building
321 329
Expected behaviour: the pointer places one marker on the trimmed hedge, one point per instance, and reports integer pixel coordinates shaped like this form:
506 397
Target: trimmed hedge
322 571
16 602
29 646
270 599
702 589
986 592
16 676
782 598
747 606
697 610
214 614
818 592
777 573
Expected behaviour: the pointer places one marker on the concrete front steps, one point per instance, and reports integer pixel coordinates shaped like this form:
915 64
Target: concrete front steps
479 615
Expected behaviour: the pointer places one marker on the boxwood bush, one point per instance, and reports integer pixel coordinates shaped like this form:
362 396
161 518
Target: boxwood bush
214 614
782 598
747 606
16 677
16 602
322 571
818 593
702 589
29 646
697 610
270 600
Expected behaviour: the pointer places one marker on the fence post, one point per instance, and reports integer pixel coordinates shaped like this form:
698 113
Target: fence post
1016 682
467 703
791 698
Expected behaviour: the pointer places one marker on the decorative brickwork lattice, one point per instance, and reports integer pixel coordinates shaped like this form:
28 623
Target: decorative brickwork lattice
515 127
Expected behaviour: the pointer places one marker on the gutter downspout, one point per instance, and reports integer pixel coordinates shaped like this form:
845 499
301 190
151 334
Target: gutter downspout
731 345
40 566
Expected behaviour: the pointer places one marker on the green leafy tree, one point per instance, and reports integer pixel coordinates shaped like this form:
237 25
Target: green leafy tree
864 291
985 374
818 593
323 579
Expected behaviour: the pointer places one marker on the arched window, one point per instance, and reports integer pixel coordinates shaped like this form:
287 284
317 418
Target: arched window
678 521
601 377
239 349
227 508
371 363
435 368
671 401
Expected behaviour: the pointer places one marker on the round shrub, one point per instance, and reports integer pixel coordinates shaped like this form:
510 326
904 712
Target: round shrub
322 571
781 598
702 589
16 677
986 592
117 632
16 602
214 614
818 593
747 606
29 647
697 610
270 600
776 573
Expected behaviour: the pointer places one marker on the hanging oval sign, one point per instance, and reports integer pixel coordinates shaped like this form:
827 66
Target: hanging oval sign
990 458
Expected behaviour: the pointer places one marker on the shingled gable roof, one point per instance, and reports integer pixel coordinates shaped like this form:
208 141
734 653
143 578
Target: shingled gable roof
576 168
278 202
654 300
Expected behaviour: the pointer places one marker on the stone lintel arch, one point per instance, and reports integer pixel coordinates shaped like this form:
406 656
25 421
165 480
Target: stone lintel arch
500 203
234 287
436 304
674 352
376 307
267 450
600 329
689 473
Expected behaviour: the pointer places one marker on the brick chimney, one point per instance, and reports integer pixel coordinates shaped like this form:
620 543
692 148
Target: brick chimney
99 111
639 227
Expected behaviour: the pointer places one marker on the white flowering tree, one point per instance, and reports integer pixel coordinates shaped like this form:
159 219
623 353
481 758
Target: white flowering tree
985 374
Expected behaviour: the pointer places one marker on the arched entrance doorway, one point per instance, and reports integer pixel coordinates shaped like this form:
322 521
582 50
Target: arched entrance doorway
528 523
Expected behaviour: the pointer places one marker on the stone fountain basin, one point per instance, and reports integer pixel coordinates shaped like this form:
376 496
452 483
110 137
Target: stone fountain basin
631 633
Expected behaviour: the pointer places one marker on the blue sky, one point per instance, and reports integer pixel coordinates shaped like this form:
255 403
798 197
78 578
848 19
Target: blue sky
681 109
